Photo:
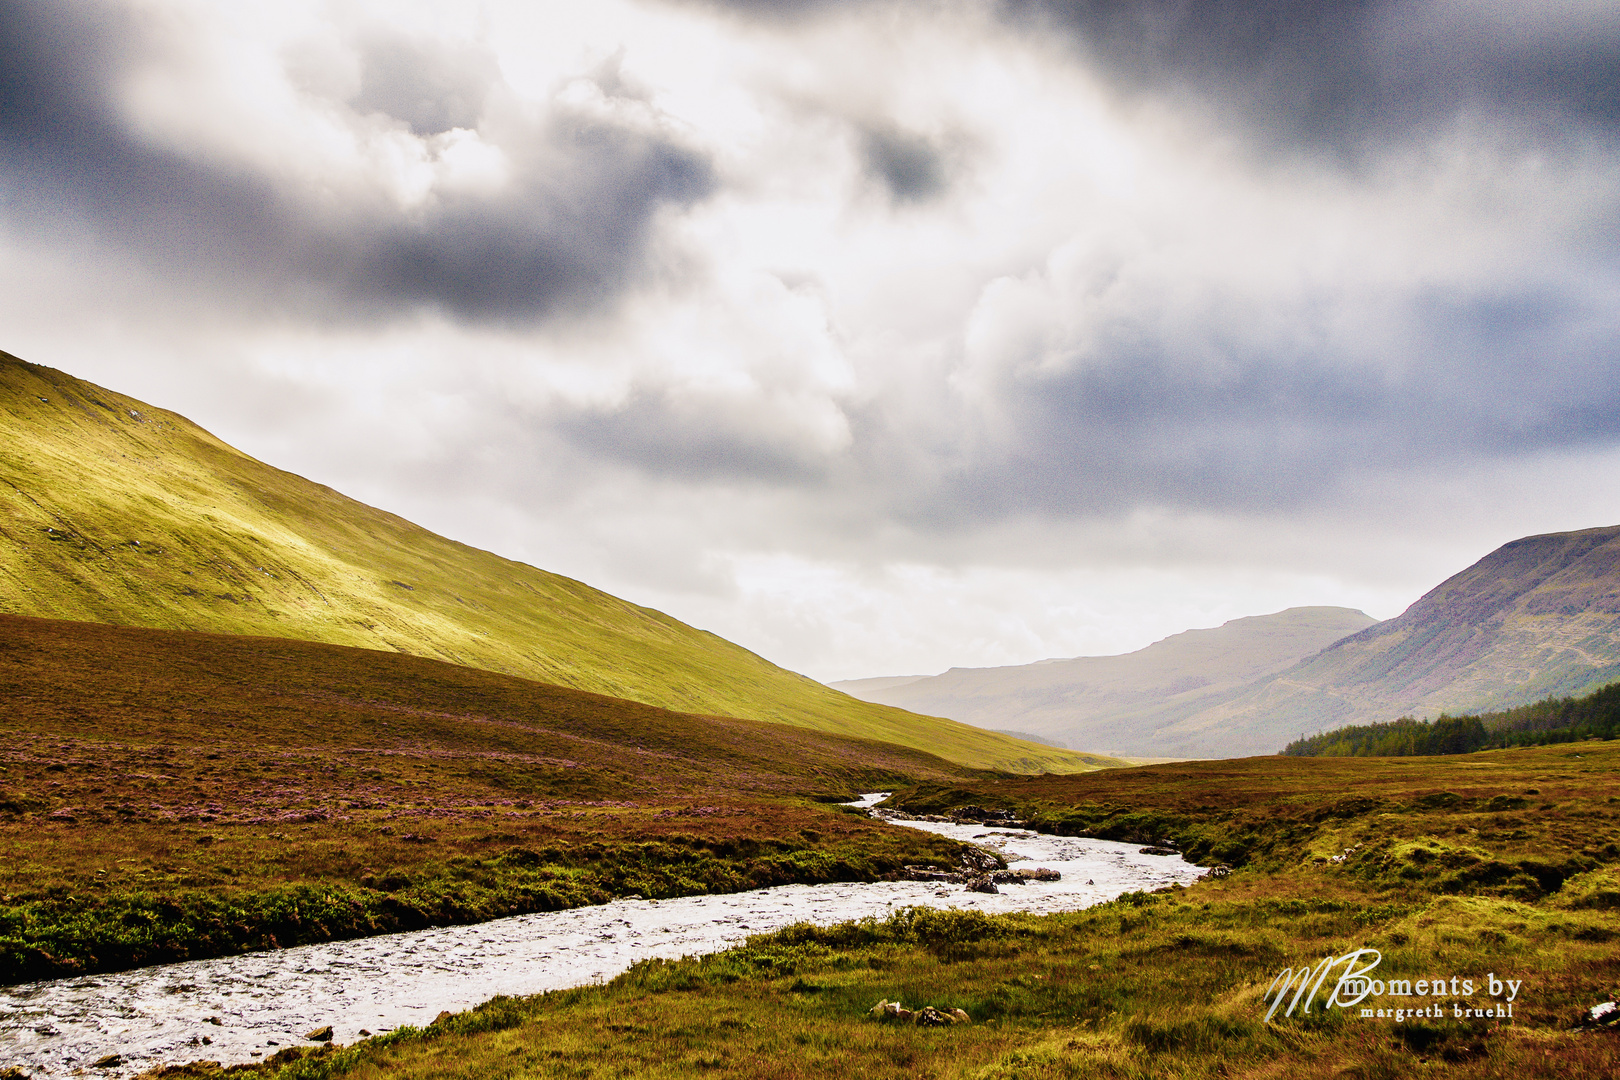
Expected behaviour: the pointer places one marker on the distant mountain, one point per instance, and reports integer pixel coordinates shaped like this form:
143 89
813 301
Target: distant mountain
862 687
117 512
1120 704
1538 616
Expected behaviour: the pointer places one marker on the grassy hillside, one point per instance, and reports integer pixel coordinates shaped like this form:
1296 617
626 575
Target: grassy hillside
114 511
1120 704
1502 865
1536 618
166 795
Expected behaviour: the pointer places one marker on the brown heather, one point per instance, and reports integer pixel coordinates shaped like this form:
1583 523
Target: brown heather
168 795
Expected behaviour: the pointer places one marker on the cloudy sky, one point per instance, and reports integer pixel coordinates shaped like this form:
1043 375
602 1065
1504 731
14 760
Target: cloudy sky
878 337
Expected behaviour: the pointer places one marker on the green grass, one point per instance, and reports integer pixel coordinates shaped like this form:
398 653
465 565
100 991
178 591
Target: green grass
1151 985
114 511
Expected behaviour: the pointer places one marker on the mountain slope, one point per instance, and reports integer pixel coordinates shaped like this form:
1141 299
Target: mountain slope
117 512
1535 617
1118 703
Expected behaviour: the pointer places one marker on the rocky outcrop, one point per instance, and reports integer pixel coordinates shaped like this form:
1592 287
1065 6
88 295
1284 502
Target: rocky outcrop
1606 1014
980 872
927 1016
963 815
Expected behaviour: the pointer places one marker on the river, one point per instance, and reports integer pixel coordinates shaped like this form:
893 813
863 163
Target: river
248 1007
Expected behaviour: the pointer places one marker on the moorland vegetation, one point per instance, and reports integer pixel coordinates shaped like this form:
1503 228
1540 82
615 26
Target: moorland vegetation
170 795
1505 863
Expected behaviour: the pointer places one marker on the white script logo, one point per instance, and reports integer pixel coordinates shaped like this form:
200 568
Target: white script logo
1355 984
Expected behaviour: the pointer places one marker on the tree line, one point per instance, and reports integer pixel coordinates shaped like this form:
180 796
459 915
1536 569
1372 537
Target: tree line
1552 720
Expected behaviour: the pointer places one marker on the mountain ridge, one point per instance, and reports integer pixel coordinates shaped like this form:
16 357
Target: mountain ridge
1537 617
1097 700
115 511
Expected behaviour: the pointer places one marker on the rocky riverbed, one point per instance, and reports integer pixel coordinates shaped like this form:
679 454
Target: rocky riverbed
242 1008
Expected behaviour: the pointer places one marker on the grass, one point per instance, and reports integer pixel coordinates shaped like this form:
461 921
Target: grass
1544 811
1501 864
169 795
114 511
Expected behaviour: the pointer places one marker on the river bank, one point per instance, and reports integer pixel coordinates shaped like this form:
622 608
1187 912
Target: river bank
250 1007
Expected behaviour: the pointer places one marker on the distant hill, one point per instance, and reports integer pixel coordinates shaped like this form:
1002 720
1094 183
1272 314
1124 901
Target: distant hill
1535 618
117 512
1120 704
862 688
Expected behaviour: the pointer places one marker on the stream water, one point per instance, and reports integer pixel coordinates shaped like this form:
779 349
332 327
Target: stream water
248 1007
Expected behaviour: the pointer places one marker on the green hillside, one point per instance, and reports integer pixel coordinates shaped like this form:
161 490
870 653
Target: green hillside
114 511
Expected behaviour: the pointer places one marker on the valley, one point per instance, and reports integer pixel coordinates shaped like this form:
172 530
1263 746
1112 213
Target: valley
1128 704
244 716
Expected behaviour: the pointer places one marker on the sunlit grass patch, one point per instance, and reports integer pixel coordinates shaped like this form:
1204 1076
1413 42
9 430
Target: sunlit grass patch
1596 890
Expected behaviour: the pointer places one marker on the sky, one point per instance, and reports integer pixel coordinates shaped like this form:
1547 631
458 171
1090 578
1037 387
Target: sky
877 337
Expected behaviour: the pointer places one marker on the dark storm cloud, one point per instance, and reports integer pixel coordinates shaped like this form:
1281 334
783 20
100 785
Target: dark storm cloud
1349 72
569 231
705 441
1212 417
779 11
1337 73
908 165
